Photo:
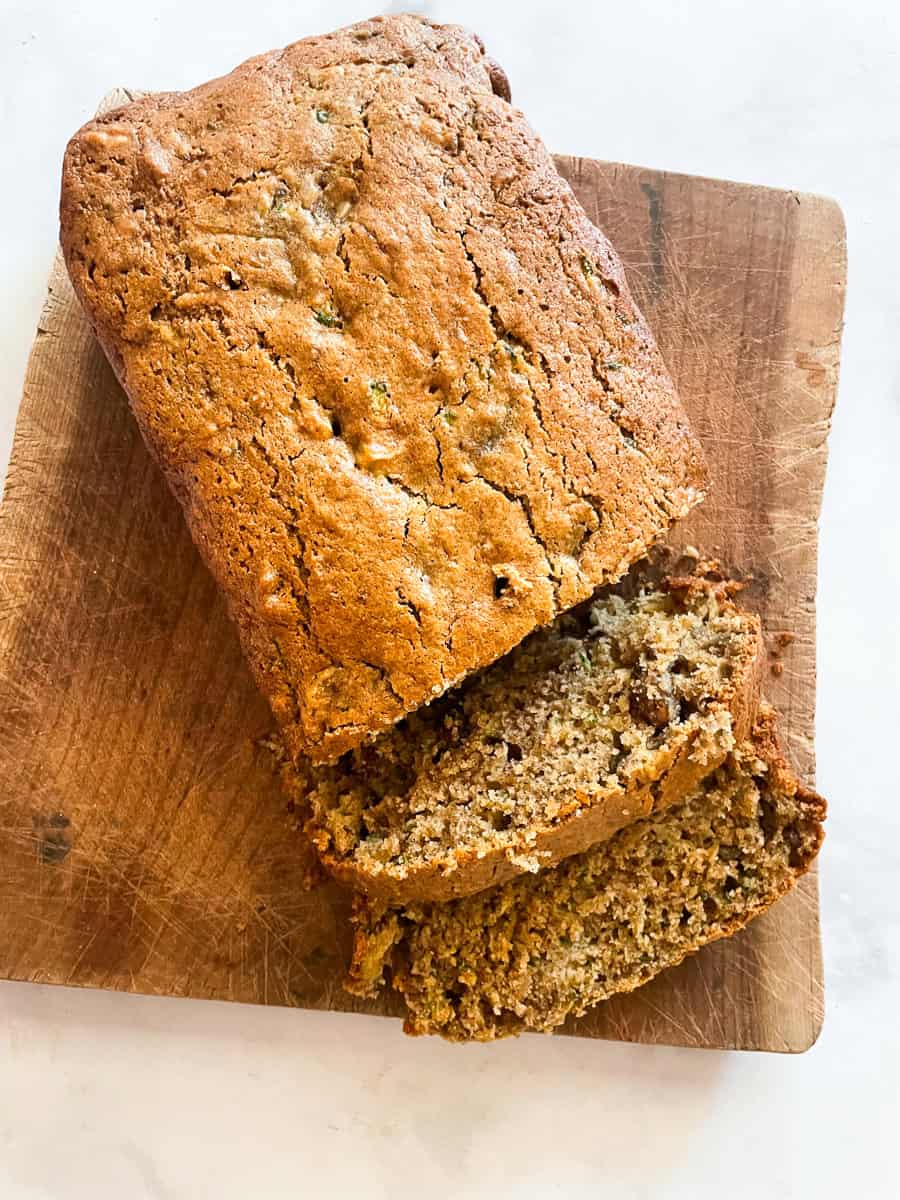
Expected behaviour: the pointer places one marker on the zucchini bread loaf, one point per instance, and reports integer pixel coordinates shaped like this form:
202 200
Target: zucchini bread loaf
611 714
532 952
390 369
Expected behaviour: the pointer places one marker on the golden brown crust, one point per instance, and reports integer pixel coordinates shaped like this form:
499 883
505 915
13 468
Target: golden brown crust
390 369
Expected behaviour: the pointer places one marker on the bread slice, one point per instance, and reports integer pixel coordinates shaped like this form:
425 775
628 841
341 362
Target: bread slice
391 370
594 723
533 952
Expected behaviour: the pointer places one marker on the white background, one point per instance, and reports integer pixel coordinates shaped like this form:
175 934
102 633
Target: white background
126 1097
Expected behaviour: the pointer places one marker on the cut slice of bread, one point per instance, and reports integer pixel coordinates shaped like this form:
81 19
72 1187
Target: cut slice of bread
535 951
602 719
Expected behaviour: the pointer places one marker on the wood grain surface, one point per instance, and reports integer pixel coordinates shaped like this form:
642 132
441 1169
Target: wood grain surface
145 844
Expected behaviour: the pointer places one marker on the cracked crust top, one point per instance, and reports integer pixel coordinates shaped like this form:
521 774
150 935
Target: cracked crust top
391 370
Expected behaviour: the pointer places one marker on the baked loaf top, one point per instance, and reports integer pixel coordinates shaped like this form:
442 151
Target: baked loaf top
610 714
390 369
533 952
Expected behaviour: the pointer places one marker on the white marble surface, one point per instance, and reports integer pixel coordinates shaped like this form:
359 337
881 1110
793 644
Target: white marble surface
113 1096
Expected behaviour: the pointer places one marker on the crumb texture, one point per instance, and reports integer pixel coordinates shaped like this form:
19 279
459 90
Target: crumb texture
531 953
391 370
609 714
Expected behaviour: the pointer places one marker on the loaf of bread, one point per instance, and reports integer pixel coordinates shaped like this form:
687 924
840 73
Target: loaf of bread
611 714
533 952
392 372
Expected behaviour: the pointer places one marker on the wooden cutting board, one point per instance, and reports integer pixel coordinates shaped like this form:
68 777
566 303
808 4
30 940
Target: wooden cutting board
145 845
